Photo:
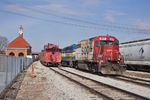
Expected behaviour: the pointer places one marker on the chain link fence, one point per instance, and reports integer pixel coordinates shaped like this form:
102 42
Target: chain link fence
10 66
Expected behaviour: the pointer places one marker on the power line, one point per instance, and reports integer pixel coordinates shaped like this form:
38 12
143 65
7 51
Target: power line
100 26
70 18
60 22
47 20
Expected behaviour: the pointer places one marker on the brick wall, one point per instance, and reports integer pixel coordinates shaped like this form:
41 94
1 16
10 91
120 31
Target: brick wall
16 51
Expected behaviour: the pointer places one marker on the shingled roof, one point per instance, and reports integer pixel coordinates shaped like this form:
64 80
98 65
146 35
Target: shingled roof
19 42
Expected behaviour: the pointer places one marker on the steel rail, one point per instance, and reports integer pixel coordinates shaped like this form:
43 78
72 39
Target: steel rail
134 78
138 82
110 86
85 86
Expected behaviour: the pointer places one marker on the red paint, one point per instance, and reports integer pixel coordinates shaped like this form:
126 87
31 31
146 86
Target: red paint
51 54
106 51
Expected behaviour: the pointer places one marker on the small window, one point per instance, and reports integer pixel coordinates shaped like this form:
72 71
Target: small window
116 43
103 42
96 44
12 54
21 54
53 51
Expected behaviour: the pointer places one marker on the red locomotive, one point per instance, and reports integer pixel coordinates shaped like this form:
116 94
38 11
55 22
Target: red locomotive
51 55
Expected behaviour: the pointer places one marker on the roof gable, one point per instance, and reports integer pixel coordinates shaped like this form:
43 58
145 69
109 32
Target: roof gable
19 42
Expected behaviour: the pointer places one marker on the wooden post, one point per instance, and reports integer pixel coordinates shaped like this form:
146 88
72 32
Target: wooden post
32 72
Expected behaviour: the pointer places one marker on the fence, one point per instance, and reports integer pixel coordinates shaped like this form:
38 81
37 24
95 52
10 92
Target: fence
9 68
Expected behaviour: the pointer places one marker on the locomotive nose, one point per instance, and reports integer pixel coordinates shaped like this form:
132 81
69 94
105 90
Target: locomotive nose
112 53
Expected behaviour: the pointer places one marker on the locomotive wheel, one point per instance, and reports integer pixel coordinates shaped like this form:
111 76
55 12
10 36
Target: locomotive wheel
76 66
93 69
71 65
90 67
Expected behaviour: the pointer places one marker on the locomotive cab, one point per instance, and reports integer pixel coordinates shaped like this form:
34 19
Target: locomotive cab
106 52
106 49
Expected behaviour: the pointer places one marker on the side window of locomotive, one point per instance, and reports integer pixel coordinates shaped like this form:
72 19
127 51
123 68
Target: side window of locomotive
116 43
96 44
53 51
103 42
90 48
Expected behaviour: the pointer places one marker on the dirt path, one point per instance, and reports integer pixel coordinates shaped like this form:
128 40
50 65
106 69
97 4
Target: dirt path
33 88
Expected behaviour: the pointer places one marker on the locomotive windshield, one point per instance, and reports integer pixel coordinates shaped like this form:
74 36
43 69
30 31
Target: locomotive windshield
108 43
103 42
116 43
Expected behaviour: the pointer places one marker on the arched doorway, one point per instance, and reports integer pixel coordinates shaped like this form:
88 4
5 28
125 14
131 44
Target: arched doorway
11 54
20 54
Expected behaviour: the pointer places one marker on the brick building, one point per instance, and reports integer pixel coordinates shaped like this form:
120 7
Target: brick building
19 46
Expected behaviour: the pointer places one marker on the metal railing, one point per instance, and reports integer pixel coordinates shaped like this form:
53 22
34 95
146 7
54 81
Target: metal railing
10 66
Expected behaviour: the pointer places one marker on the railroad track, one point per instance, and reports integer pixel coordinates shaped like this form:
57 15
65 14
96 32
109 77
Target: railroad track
108 92
135 80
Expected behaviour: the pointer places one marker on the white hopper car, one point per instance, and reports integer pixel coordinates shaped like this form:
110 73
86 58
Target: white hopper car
136 54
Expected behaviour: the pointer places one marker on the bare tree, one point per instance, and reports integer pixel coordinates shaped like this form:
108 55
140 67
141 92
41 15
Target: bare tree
3 43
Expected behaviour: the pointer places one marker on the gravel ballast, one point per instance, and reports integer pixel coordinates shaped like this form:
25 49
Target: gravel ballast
138 74
140 90
48 85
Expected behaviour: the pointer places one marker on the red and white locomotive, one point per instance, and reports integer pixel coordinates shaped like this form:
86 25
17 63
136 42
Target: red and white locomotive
98 54
51 55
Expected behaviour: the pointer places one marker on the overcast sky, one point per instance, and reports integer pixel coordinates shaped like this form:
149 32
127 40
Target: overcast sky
65 22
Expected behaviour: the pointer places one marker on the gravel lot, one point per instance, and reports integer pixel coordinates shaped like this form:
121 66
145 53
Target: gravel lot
48 85
123 85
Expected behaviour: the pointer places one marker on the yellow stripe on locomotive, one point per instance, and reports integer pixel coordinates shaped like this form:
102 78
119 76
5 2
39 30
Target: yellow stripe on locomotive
68 54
